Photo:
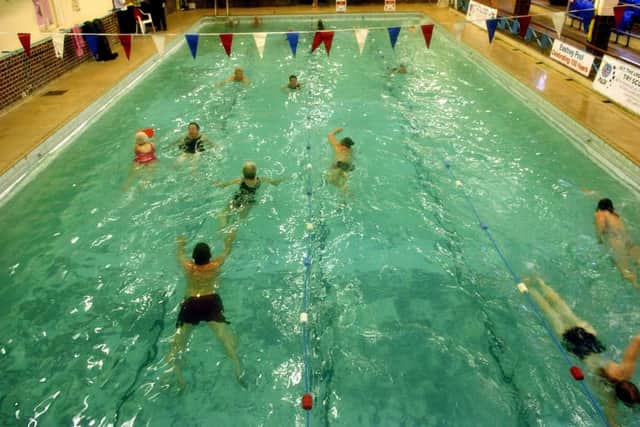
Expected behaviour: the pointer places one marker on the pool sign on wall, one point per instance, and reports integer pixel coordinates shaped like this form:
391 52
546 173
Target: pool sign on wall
572 57
389 5
341 5
478 14
620 82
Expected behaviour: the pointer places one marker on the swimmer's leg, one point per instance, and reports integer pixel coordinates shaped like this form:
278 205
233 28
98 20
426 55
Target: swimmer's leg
550 314
178 346
230 342
570 319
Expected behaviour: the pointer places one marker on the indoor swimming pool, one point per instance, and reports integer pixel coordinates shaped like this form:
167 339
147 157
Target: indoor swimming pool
414 319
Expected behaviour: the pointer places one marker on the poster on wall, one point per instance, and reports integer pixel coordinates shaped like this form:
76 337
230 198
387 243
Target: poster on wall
620 82
478 13
572 57
341 5
389 5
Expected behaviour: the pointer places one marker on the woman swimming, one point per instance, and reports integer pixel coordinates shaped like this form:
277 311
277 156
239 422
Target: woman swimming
610 230
145 153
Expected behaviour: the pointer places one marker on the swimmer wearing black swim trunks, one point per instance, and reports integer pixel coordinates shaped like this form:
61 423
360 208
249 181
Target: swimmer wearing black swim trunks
338 174
579 338
202 303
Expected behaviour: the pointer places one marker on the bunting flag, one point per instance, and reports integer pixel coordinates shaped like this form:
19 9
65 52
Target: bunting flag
261 40
25 41
92 41
393 35
492 24
558 19
159 42
293 42
524 22
458 28
125 40
587 16
227 40
618 12
58 44
361 37
192 41
324 37
317 39
427 32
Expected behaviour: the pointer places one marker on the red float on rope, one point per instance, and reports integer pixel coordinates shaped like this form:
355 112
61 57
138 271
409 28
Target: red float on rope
577 373
307 401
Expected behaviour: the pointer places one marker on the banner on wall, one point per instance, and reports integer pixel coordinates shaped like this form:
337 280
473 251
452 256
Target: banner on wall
341 5
620 82
389 5
478 14
572 57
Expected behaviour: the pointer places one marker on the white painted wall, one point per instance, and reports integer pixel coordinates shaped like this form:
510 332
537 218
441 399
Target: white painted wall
18 16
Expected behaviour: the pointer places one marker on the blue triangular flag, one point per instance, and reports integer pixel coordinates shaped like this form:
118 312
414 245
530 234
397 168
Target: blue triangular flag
393 35
92 41
491 28
587 16
192 41
293 41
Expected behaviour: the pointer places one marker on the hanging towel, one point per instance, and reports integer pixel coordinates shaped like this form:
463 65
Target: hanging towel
78 41
43 12
58 44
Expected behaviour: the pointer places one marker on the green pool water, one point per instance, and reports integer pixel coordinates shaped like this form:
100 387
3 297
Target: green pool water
414 319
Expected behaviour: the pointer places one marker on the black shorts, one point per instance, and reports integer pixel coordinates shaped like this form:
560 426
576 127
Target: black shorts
581 343
207 308
343 166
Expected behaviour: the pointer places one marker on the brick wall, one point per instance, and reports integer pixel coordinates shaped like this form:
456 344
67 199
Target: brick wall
21 75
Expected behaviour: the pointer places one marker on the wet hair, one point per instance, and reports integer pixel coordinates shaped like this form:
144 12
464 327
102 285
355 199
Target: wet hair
249 170
141 137
605 205
194 124
347 142
292 76
201 254
628 393
320 24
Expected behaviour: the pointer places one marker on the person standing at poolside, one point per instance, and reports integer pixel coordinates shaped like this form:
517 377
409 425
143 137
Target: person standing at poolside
338 174
202 303
610 230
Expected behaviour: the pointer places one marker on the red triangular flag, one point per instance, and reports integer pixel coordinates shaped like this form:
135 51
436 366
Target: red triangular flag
618 11
125 40
327 39
226 40
427 32
25 41
317 39
524 22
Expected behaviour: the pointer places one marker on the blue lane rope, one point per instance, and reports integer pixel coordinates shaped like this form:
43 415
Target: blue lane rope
532 304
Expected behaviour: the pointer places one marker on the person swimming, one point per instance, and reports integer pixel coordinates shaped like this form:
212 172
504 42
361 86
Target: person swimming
320 25
144 149
237 77
400 69
338 173
194 141
580 339
293 83
610 230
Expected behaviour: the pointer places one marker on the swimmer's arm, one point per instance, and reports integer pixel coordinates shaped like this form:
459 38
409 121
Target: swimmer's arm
271 180
180 243
332 137
226 184
220 259
630 358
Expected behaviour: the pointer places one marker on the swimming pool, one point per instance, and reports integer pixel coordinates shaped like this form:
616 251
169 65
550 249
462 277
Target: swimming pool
414 319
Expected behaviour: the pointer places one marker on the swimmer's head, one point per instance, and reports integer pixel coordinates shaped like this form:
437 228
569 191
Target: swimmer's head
238 74
249 170
293 80
347 142
628 393
193 129
605 205
141 138
201 254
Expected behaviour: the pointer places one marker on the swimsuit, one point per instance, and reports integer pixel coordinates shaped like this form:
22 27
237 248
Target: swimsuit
581 343
207 308
192 145
343 166
245 195
145 157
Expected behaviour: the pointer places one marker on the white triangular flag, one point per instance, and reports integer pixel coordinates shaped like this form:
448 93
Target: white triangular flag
458 28
261 39
58 44
361 37
159 42
558 22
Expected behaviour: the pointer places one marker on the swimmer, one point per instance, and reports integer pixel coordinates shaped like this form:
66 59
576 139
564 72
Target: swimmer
194 141
401 69
342 165
245 197
257 21
320 25
145 153
579 338
231 22
237 77
293 83
610 230
202 304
